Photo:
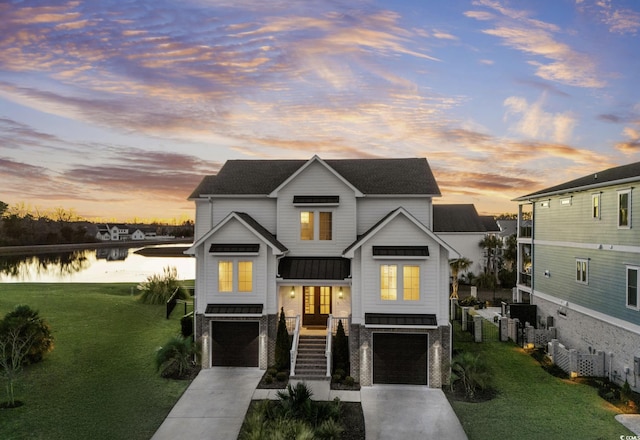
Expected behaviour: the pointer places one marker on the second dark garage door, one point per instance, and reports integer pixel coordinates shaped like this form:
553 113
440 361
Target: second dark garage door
234 344
400 358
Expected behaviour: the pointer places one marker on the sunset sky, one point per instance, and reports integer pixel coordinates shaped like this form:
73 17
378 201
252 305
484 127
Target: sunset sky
117 108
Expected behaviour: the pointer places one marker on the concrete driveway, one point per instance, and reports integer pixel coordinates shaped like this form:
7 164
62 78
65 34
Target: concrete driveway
213 407
408 412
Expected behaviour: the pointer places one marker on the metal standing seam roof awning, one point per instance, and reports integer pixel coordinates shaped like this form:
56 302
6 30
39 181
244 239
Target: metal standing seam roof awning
233 309
314 268
400 319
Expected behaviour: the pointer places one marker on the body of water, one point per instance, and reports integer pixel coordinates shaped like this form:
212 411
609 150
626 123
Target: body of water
104 265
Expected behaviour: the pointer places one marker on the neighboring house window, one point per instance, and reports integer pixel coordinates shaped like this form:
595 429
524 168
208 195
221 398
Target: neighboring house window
326 226
225 276
411 283
582 271
624 209
632 287
388 282
245 276
306 225
595 206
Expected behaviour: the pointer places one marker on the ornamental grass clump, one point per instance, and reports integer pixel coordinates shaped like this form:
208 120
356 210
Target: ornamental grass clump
158 288
177 358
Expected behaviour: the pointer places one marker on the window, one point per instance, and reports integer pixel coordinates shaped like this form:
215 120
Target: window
245 276
225 276
326 226
624 209
411 283
595 206
582 271
306 225
388 282
325 300
632 287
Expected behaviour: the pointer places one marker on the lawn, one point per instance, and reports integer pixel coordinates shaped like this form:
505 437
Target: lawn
531 403
100 381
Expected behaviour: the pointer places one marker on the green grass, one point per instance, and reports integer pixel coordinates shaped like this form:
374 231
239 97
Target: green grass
531 403
99 382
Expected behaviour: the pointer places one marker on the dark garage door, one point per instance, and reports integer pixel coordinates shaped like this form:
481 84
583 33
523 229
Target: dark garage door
234 344
400 358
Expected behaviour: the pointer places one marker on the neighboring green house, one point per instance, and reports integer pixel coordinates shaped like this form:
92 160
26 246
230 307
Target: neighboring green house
579 260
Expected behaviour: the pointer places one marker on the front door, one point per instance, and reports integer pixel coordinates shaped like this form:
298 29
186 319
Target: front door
317 305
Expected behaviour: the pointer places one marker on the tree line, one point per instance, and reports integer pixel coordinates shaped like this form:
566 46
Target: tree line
21 225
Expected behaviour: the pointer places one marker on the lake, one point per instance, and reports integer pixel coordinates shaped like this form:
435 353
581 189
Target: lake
102 265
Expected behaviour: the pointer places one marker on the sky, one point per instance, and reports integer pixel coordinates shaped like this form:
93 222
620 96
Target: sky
117 109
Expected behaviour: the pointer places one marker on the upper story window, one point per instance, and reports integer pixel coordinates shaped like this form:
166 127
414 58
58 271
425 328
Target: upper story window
244 282
308 225
595 206
411 283
225 276
624 209
582 270
632 287
389 282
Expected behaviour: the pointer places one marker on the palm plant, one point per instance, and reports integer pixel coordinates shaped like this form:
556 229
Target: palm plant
458 265
472 372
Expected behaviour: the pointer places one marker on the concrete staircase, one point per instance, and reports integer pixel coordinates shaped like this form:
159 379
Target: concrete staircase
311 363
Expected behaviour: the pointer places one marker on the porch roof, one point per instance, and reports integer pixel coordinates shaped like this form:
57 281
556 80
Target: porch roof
234 309
314 268
400 319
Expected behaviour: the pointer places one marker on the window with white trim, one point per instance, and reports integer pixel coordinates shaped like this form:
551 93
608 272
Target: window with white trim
226 281
632 287
389 282
225 276
582 270
624 209
308 229
411 283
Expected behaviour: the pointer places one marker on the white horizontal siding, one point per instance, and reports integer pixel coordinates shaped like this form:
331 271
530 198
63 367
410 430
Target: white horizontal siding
316 180
468 245
235 232
371 210
203 218
262 210
400 232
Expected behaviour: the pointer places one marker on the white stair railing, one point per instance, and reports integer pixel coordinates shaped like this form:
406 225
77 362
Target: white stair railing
328 351
294 346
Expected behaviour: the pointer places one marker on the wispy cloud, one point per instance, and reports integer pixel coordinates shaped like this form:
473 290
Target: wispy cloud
535 123
552 59
619 20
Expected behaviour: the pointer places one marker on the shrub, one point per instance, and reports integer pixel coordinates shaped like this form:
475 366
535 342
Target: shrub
30 323
349 381
471 372
272 371
340 350
268 379
283 344
158 288
329 430
175 359
336 377
281 376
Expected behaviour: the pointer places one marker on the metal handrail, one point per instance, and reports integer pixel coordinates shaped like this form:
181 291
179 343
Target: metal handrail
328 351
294 346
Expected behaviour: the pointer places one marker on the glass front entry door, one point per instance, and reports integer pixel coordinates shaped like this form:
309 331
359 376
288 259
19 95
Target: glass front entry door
317 305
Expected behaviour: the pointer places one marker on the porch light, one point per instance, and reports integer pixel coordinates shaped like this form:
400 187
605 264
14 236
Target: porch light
574 374
340 294
292 294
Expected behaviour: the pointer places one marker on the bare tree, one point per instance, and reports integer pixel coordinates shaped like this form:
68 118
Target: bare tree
15 344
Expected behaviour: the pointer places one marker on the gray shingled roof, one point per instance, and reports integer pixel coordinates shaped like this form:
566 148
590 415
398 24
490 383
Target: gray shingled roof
594 180
370 176
489 223
457 218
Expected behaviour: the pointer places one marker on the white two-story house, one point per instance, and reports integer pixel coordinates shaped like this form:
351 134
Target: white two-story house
322 240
